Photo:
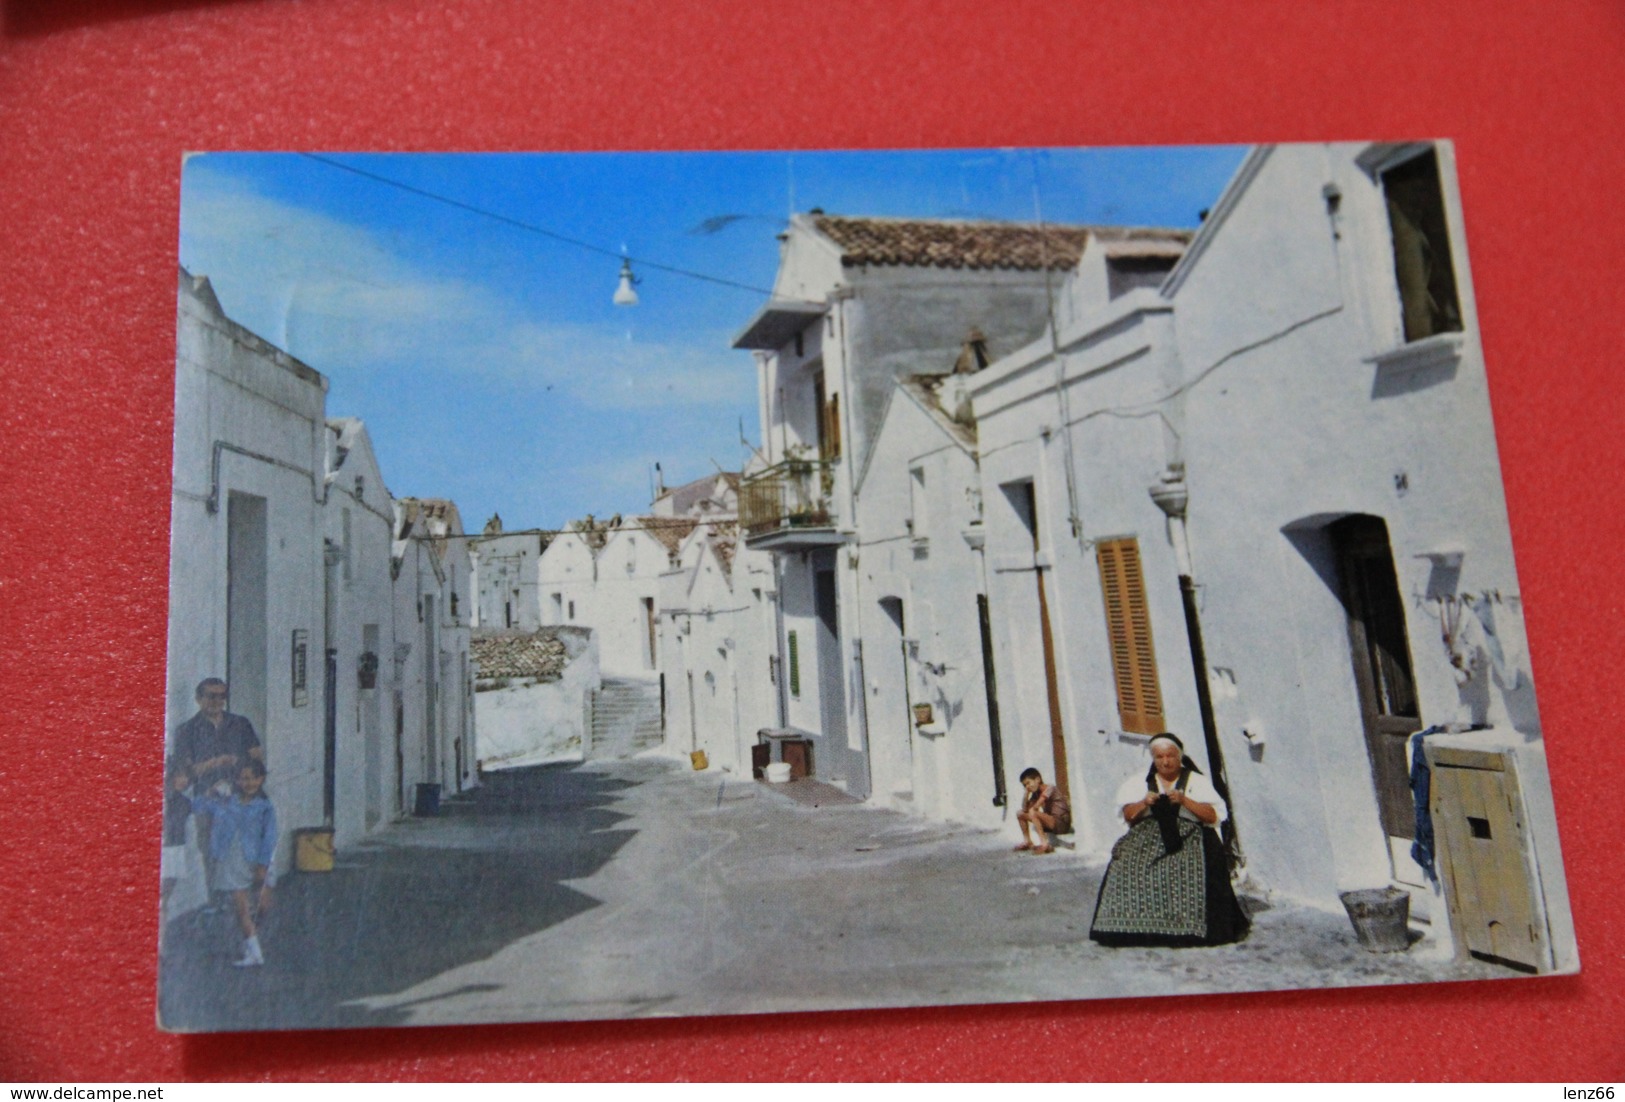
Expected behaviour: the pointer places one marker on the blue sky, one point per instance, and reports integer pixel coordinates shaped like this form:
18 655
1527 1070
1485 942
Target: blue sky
488 361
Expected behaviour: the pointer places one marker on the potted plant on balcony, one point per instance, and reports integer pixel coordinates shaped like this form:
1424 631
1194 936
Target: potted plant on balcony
806 507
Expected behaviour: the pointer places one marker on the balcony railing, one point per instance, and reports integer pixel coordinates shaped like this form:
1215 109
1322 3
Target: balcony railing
791 495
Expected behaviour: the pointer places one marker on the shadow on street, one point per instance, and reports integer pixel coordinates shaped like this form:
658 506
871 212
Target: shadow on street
397 911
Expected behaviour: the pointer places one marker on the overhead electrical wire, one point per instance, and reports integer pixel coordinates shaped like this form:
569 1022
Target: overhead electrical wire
672 522
528 227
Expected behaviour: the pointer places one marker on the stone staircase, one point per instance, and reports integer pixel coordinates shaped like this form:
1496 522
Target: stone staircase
625 718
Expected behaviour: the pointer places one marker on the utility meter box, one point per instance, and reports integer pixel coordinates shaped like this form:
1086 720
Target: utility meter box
1488 842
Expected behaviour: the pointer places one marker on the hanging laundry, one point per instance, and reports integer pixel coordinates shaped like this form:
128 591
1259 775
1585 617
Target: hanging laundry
1505 647
1461 636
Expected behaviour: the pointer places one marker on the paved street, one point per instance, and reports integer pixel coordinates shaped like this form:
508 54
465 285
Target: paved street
636 887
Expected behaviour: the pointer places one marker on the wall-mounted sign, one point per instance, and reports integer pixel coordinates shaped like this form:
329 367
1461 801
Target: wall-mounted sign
301 667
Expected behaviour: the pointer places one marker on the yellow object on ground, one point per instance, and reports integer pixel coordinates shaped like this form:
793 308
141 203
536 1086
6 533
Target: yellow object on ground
313 850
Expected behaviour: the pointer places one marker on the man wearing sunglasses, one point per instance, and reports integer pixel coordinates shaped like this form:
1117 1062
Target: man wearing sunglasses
214 744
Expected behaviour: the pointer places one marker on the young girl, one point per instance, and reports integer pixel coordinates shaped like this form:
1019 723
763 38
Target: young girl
242 845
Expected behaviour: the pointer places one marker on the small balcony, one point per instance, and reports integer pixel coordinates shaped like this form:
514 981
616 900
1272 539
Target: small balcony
789 506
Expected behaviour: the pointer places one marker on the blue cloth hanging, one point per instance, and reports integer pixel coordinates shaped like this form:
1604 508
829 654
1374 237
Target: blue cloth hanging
1421 789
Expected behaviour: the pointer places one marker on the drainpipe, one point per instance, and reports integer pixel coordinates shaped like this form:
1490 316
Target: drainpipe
1172 497
783 693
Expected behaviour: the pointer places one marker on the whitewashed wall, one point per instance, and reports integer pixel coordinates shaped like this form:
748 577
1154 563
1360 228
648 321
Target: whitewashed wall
507 582
717 634
358 520
1278 381
629 569
528 721
883 323
566 573
432 645
234 390
1408 441
1118 357
913 552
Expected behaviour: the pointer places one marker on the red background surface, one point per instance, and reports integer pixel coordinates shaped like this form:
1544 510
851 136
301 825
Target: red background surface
97 102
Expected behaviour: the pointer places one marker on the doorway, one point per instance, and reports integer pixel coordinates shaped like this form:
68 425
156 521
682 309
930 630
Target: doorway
247 657
895 707
831 679
431 691
1024 502
1380 650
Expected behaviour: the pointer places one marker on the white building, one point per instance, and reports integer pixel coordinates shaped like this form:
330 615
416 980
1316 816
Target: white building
566 571
435 740
360 632
1261 507
717 653
247 570
936 747
606 576
625 602
715 495
858 304
507 578
286 579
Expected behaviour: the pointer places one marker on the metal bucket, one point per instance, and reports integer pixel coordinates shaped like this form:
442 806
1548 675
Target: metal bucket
1381 918
778 772
313 849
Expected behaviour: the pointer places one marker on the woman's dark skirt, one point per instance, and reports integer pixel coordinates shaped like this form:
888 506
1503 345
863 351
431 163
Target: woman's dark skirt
1153 897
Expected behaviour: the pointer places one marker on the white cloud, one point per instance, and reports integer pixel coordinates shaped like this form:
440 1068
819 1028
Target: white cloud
337 296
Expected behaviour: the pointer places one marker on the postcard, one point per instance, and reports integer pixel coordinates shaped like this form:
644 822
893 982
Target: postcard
609 586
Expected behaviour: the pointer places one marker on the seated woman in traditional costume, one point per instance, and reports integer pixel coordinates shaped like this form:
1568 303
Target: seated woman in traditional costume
1169 880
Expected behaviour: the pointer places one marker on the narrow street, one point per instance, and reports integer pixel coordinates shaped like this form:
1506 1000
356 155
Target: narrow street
635 887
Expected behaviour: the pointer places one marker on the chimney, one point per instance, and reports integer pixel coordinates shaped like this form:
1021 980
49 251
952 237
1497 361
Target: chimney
972 354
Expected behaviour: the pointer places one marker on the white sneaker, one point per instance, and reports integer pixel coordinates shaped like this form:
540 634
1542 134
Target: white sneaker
252 957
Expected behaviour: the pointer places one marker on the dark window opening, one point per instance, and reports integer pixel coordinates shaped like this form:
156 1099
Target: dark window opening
1479 827
829 420
1022 502
1422 266
1130 273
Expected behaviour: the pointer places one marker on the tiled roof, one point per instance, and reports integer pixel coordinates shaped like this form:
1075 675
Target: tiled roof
517 654
432 517
724 542
414 509
941 243
594 532
669 531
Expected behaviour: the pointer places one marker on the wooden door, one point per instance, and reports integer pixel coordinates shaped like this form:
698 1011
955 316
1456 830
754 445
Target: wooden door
1380 649
1478 821
1024 500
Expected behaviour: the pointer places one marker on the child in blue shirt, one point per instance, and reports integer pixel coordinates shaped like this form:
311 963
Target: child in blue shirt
242 845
